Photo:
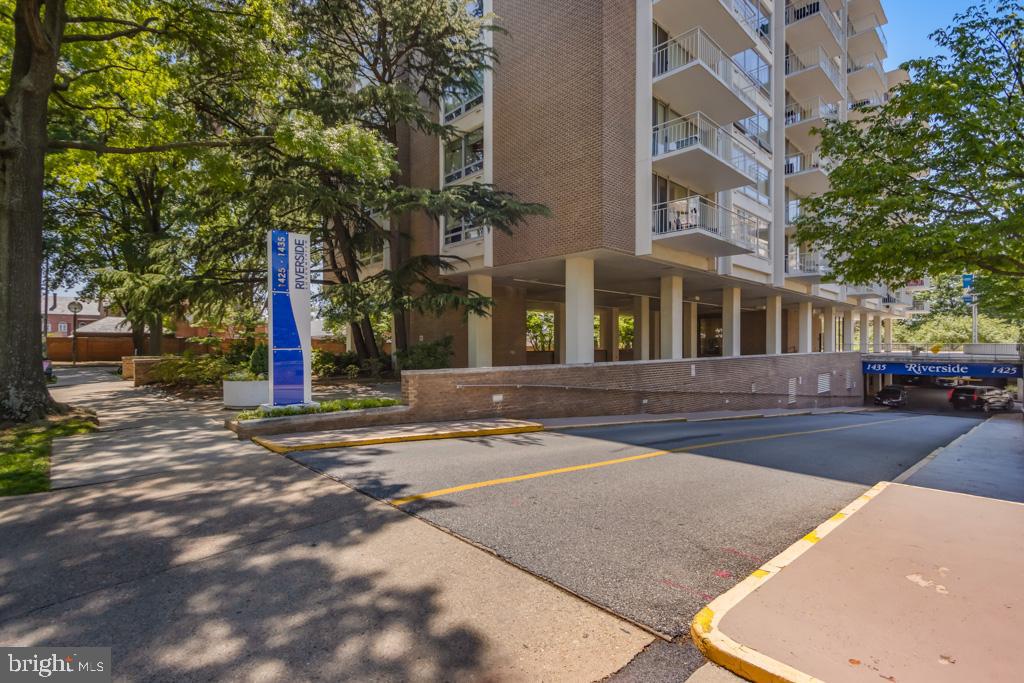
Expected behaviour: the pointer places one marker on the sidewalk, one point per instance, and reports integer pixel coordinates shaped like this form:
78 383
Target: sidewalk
906 584
199 557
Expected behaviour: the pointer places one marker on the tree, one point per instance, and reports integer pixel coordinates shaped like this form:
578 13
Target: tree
540 330
932 181
77 82
386 64
956 329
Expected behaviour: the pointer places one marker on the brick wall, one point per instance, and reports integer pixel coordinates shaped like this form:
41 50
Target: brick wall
642 386
563 124
660 386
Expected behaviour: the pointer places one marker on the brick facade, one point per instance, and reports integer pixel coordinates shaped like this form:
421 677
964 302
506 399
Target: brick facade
564 124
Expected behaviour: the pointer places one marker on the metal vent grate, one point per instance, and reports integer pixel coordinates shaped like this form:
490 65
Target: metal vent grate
792 390
824 383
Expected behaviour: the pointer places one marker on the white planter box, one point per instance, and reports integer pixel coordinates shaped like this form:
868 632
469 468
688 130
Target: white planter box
247 394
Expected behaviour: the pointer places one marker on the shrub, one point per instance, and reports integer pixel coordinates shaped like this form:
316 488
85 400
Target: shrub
325 407
244 375
327 364
427 355
240 351
352 371
259 360
190 370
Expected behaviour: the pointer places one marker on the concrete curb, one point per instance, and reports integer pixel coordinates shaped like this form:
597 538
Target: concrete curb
619 423
375 440
920 464
738 658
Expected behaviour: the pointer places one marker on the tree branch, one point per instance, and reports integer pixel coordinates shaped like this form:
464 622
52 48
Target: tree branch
101 148
135 30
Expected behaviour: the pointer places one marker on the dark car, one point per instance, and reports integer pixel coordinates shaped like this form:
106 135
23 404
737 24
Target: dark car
981 398
893 396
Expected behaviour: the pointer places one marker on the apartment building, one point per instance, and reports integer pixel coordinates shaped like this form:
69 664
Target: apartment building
673 142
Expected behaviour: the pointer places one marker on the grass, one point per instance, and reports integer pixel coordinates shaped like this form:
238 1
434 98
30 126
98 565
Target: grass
25 453
325 407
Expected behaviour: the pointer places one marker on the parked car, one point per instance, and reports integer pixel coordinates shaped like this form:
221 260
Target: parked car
981 398
946 381
893 396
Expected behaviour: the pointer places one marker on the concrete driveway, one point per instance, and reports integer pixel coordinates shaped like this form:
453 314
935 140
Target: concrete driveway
197 557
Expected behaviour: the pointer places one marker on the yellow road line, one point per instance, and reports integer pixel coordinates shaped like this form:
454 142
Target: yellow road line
397 502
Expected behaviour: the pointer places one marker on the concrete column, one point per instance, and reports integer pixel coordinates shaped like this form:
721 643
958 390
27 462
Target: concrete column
691 323
805 326
671 316
865 326
876 335
614 334
773 325
642 328
847 331
480 326
731 314
887 335
560 333
817 333
579 310
604 331
828 337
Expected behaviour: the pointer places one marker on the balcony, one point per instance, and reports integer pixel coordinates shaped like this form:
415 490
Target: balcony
692 73
803 117
919 305
808 266
865 76
861 292
734 23
793 212
813 24
813 74
466 113
698 153
701 226
865 8
866 37
463 238
805 174
860 108
473 166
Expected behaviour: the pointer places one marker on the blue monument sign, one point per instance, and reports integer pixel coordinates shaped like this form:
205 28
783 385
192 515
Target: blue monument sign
289 307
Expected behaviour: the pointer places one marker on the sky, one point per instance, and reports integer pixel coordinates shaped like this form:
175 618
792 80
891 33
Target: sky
910 22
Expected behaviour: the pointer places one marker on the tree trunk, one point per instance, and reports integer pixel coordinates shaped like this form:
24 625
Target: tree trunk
138 339
156 336
363 332
23 143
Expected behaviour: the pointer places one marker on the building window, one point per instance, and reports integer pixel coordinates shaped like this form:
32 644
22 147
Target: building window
757 128
457 231
62 327
49 327
459 101
760 191
464 156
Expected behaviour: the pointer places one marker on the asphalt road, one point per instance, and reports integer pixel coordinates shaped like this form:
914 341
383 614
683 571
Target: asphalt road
649 521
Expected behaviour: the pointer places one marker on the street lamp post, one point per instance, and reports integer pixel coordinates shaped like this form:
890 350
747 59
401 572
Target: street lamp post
75 307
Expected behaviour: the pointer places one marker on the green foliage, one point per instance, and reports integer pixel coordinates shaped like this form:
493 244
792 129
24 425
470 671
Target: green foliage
325 407
244 375
352 371
540 330
626 331
931 182
956 329
427 355
191 370
327 364
259 360
25 453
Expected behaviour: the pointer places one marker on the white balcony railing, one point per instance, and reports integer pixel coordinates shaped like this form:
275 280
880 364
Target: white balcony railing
698 213
856 65
455 108
798 163
795 13
797 62
458 232
806 263
698 130
472 164
797 112
867 23
873 101
696 46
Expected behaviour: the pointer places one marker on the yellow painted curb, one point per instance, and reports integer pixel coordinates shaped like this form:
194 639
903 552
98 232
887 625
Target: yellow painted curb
373 441
738 658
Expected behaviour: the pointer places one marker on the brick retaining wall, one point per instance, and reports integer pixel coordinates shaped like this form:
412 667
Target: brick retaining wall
659 386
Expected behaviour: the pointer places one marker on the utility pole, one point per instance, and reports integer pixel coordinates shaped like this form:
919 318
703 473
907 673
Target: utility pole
75 307
974 321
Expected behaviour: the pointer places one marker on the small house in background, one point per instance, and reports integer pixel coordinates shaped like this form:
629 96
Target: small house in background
59 319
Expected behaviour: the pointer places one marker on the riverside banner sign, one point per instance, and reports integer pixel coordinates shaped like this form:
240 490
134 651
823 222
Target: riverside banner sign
943 368
290 348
